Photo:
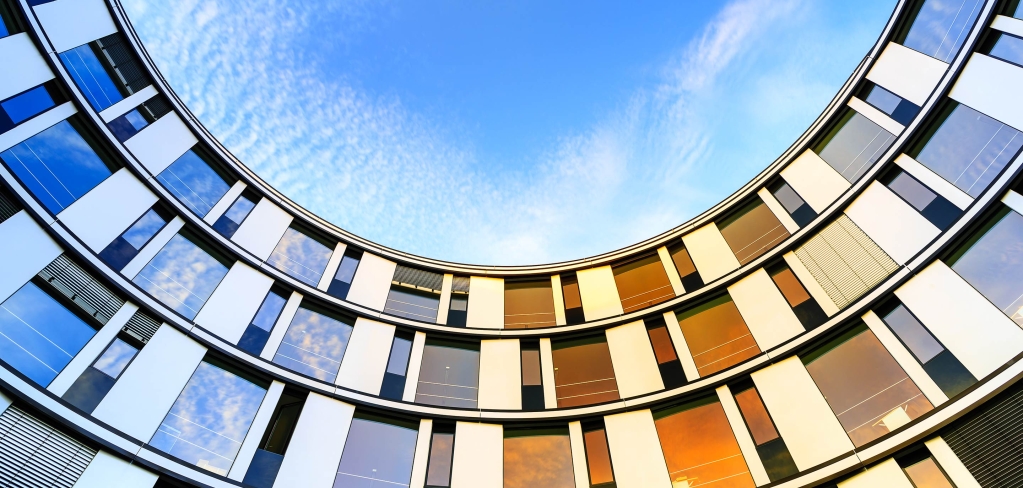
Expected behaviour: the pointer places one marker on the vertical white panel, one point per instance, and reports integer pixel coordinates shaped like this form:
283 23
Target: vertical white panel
234 302
633 359
559 301
950 463
1008 24
32 70
148 252
764 309
887 473
976 332
669 267
550 394
128 104
262 229
742 436
711 254
161 143
876 116
415 362
478 461
317 444
420 461
988 85
107 210
500 375
930 389
636 455
486 303
907 73
259 424
36 125
71 23
445 299
931 179
579 465
1013 200
221 206
144 393
890 222
599 293
372 281
814 180
25 248
801 414
778 210
810 283
92 350
332 264
681 347
281 326
365 359
109 471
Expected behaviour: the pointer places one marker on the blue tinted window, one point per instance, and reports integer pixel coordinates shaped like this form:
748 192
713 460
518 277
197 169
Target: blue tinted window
228 223
194 182
28 104
182 276
117 356
314 345
3 29
144 229
376 454
209 420
91 78
883 100
38 336
268 312
57 166
994 263
941 27
1008 48
301 257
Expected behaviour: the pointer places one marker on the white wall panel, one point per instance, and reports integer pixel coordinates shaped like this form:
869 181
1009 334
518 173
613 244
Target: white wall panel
255 434
222 205
890 222
71 23
109 471
478 461
365 359
950 463
559 301
415 362
500 377
599 293
764 309
35 125
989 85
486 303
420 461
445 299
161 143
669 267
967 324
636 455
107 210
887 473
681 347
711 254
1008 24
876 116
909 364
25 248
778 210
801 414
814 180
936 183
907 73
550 394
128 104
633 359
234 302
742 436
144 393
281 326
372 281
579 465
91 350
148 252
332 264
32 70
317 444
262 229
1013 200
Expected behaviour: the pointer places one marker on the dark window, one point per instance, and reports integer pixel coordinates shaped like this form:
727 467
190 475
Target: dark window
105 70
138 118
458 308
770 446
699 445
752 231
935 208
97 380
528 304
315 343
125 247
195 182
183 274
664 350
301 256
992 262
923 471
28 104
691 279
378 452
853 145
442 450
716 335
573 300
414 294
532 376
342 281
395 375
583 373
642 283
940 27
899 109
798 209
807 309
228 223
598 456
449 374
267 460
538 459
258 331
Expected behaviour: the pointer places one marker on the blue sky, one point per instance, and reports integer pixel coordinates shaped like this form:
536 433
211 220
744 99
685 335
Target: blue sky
507 132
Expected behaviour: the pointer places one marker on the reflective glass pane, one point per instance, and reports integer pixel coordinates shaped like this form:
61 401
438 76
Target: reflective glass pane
855 146
913 334
788 198
182 276
376 455
528 305
538 461
927 474
412 304
28 104
583 373
269 310
683 263
442 447
397 363
754 231
91 78
531 375
1008 48
449 376
144 229
642 283
664 350
570 291
755 414
115 358
942 26
314 345
346 270
883 100
301 257
598 457
790 287
240 209
911 190
700 449
994 263
194 182
717 336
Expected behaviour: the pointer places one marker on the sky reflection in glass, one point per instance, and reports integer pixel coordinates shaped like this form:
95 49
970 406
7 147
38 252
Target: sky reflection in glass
194 182
314 345
376 455
301 257
994 264
182 276
942 26
91 78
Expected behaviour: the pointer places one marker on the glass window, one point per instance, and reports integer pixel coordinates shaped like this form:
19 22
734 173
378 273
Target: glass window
868 391
664 351
228 223
969 148
397 365
794 204
314 344
598 457
377 453
345 273
458 308
900 110
950 375
992 262
125 247
129 124
642 283
182 275
925 473
38 335
442 449
528 304
209 420
770 447
90 75
573 300
94 383
691 279
935 208
752 231
24 106
258 331
807 309
266 461
583 373
411 303
853 145
941 27
538 459
57 166
300 257
532 376
3 28
194 183
699 446
449 374
716 335
1008 48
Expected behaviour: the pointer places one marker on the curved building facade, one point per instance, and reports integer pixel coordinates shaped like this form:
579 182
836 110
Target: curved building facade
851 317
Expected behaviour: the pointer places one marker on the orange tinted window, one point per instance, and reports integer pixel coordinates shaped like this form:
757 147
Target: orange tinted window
583 374
699 448
570 290
528 305
683 263
755 414
927 474
717 336
642 283
531 367
752 232
538 461
598 458
790 287
663 348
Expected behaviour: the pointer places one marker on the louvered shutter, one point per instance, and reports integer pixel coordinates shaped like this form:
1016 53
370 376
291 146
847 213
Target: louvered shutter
141 326
8 206
418 278
989 440
35 455
460 284
75 283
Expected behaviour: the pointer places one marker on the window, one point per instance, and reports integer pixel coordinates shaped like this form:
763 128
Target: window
699 446
105 70
794 204
968 148
228 223
528 304
642 283
183 274
266 461
414 294
664 350
868 391
950 375
922 470
941 27
716 335
442 450
770 447
853 145
28 104
38 335
315 343
538 459
194 182
458 308
209 420
258 331
807 309
583 373
691 279
4 31
1016 10
300 256
532 375
598 456
752 231
125 247
992 262
97 380
573 300
396 372
449 374
935 208
377 452
900 110
345 273
57 166
1006 47
138 118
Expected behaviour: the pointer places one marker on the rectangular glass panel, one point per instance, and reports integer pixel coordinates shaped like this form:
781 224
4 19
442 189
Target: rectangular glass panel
912 191
412 304
26 105
752 232
942 26
528 305
397 363
790 287
570 291
115 358
664 350
449 376
194 183
228 223
642 283
598 457
913 334
927 474
883 100
314 345
755 414
144 229
376 454
442 448
717 336
994 264
182 276
583 373
683 263
700 448
538 461
269 310
301 257
91 77
1008 48
531 375
855 145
